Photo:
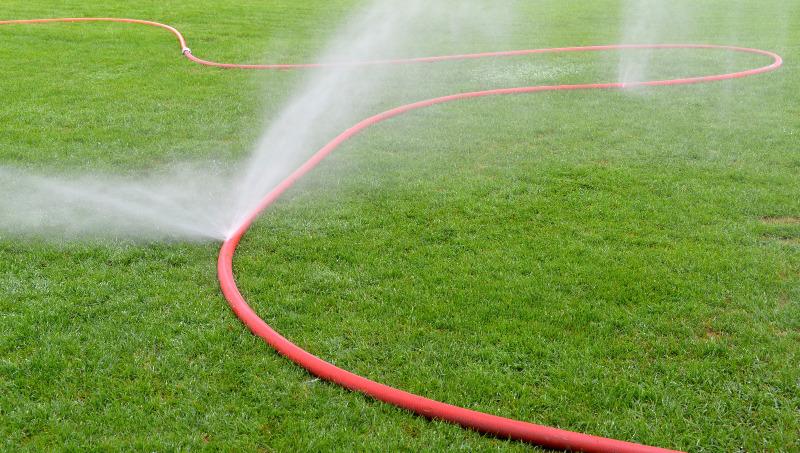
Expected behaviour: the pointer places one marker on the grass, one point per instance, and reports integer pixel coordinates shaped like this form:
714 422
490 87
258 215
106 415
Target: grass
624 264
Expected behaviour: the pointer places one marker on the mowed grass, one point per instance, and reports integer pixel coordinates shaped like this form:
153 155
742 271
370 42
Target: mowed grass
621 263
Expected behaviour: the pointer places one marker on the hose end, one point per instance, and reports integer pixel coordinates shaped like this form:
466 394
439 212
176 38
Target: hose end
186 50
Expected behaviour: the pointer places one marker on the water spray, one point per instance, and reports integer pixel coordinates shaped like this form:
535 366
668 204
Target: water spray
486 423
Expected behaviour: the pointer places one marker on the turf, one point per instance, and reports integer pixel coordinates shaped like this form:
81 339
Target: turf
624 264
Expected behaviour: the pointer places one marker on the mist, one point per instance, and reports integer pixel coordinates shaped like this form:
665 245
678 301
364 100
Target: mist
649 22
336 97
687 22
186 203
199 202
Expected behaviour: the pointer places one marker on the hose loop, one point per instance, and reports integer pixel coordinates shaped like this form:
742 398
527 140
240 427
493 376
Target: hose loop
486 423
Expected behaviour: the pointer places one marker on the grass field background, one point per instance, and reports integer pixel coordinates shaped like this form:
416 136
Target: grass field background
625 264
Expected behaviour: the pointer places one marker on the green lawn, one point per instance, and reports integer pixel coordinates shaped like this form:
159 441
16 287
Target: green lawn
623 264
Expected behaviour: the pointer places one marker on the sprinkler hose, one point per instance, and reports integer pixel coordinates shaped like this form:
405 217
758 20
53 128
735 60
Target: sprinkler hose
544 436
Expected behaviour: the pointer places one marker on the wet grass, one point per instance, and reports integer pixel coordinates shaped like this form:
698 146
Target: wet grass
620 263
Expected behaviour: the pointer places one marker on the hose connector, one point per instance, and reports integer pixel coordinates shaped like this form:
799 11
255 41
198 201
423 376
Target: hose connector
186 50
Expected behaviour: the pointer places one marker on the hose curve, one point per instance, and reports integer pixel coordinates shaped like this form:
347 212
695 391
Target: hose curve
486 423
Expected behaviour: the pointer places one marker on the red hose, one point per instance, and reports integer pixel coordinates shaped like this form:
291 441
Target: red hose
502 427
